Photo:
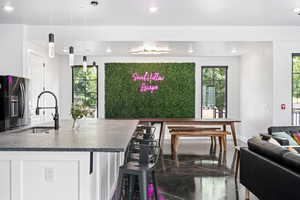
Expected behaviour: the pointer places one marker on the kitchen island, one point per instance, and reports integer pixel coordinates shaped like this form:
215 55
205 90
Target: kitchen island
67 164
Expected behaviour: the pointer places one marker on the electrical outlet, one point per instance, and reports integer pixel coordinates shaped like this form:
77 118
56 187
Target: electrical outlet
49 174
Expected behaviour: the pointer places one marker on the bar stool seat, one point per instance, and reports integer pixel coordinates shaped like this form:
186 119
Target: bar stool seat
136 157
143 174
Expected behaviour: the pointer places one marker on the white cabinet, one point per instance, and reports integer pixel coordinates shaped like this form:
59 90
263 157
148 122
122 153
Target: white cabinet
5 181
58 175
57 179
44 175
105 176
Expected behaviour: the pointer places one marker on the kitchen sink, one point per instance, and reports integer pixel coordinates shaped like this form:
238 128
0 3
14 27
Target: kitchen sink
35 130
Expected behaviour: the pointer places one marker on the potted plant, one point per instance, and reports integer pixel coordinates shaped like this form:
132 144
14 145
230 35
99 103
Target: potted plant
78 111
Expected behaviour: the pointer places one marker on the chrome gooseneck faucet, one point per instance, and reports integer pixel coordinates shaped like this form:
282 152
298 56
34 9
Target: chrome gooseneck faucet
56 115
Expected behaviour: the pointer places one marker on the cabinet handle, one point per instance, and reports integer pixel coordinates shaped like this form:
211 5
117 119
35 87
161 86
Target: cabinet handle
91 162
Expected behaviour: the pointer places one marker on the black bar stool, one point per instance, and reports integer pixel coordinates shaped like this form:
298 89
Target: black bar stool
139 169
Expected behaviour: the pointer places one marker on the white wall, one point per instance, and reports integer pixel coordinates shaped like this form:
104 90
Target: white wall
282 80
256 91
231 62
47 77
11 49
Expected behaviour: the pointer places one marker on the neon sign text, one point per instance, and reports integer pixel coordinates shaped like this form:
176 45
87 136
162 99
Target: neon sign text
148 78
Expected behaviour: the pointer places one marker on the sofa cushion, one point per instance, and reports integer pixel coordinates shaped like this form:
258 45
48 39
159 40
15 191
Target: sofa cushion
273 141
292 142
292 160
264 148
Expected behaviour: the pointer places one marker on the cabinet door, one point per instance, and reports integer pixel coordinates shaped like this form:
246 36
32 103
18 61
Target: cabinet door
5 180
45 176
49 180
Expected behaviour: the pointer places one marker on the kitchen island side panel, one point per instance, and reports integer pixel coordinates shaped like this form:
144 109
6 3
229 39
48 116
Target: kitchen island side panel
45 175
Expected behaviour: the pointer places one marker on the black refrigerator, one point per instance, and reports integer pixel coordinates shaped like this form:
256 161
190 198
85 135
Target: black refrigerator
13 102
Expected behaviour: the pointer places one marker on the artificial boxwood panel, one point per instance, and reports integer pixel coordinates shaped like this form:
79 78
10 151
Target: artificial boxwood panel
175 97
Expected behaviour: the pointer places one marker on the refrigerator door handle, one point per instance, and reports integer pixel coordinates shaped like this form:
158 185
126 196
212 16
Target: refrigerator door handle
22 88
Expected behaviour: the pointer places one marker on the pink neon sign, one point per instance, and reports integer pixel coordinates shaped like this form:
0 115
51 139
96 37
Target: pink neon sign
147 78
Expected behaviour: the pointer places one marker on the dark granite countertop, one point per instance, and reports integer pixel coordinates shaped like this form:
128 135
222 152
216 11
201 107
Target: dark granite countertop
92 136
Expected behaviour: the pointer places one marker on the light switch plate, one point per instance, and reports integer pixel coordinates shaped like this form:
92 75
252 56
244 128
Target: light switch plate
49 174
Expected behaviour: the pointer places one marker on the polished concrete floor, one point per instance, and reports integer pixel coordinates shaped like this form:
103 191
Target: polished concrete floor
199 171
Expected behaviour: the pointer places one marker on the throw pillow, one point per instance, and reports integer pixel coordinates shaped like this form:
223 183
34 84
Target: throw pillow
297 137
273 141
292 142
291 149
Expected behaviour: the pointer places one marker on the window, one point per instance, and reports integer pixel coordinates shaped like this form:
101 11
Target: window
296 89
85 88
214 92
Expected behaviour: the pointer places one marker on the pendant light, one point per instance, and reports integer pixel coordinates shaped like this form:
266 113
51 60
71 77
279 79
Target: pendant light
95 67
51 45
84 63
71 56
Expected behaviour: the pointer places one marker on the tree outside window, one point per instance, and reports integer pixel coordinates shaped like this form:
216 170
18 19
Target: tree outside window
296 89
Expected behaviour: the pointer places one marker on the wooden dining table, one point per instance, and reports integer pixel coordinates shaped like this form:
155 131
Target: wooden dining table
164 122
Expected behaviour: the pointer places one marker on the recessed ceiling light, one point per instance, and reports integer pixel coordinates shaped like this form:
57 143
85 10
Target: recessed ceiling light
297 10
233 50
153 9
191 50
108 50
8 8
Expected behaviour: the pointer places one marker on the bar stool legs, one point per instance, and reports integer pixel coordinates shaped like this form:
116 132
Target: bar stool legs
142 178
131 185
143 184
154 180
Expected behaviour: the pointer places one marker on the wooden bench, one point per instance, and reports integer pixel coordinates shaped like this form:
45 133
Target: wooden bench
185 131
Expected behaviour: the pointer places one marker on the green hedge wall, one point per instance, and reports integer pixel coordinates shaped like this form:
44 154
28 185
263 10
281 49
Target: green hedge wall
175 97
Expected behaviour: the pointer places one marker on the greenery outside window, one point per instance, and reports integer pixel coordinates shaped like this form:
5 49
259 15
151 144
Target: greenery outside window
214 92
85 88
296 90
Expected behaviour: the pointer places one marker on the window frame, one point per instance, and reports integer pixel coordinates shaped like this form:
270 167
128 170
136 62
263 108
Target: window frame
226 87
97 85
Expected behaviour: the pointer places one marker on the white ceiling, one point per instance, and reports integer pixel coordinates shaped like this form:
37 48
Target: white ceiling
136 12
177 49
